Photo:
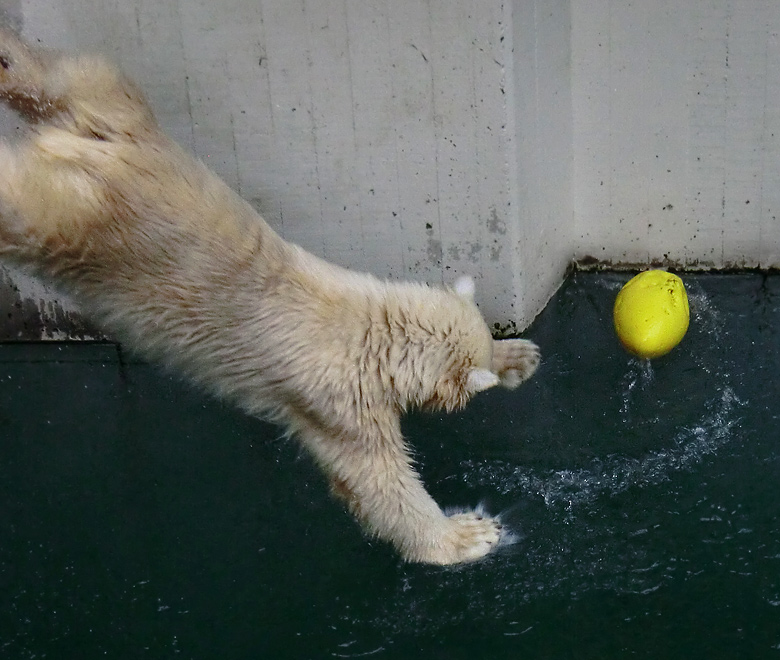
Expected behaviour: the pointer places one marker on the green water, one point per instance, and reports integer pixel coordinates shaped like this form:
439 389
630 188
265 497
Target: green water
141 519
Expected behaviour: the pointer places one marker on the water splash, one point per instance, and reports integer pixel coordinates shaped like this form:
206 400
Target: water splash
577 540
569 488
637 379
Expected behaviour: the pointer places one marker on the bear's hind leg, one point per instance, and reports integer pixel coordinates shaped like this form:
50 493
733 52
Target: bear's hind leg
85 95
46 202
13 232
24 79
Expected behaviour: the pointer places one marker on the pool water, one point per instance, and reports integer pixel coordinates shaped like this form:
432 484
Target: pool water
140 518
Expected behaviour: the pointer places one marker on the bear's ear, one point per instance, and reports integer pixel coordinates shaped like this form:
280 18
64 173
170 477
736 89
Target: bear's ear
479 380
464 287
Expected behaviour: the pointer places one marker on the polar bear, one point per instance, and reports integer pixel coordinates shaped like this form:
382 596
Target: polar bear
174 264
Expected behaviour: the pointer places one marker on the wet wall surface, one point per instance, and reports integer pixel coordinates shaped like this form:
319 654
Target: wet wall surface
25 317
140 518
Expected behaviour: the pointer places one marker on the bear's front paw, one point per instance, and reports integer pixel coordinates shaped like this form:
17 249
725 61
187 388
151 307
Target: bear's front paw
467 536
515 360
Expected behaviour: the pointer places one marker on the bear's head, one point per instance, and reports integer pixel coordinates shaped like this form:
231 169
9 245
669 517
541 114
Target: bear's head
447 351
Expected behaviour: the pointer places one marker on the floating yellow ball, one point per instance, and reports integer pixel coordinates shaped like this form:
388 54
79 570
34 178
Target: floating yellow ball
651 313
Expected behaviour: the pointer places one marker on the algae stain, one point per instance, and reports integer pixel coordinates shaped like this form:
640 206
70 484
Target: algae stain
496 225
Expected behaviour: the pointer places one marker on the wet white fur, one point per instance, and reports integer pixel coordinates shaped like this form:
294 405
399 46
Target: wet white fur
174 264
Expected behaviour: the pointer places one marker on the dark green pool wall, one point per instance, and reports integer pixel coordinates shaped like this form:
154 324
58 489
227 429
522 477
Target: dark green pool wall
142 519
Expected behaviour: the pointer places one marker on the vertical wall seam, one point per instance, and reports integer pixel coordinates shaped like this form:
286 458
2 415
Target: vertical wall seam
511 169
183 50
314 137
353 123
437 134
726 100
762 212
398 227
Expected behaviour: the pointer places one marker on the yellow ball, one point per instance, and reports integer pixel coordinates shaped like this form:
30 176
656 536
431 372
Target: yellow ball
651 313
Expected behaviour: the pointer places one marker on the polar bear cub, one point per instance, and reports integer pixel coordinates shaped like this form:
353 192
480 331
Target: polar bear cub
174 264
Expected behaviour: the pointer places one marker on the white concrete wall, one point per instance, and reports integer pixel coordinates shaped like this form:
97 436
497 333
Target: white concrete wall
677 131
541 184
401 137
424 139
